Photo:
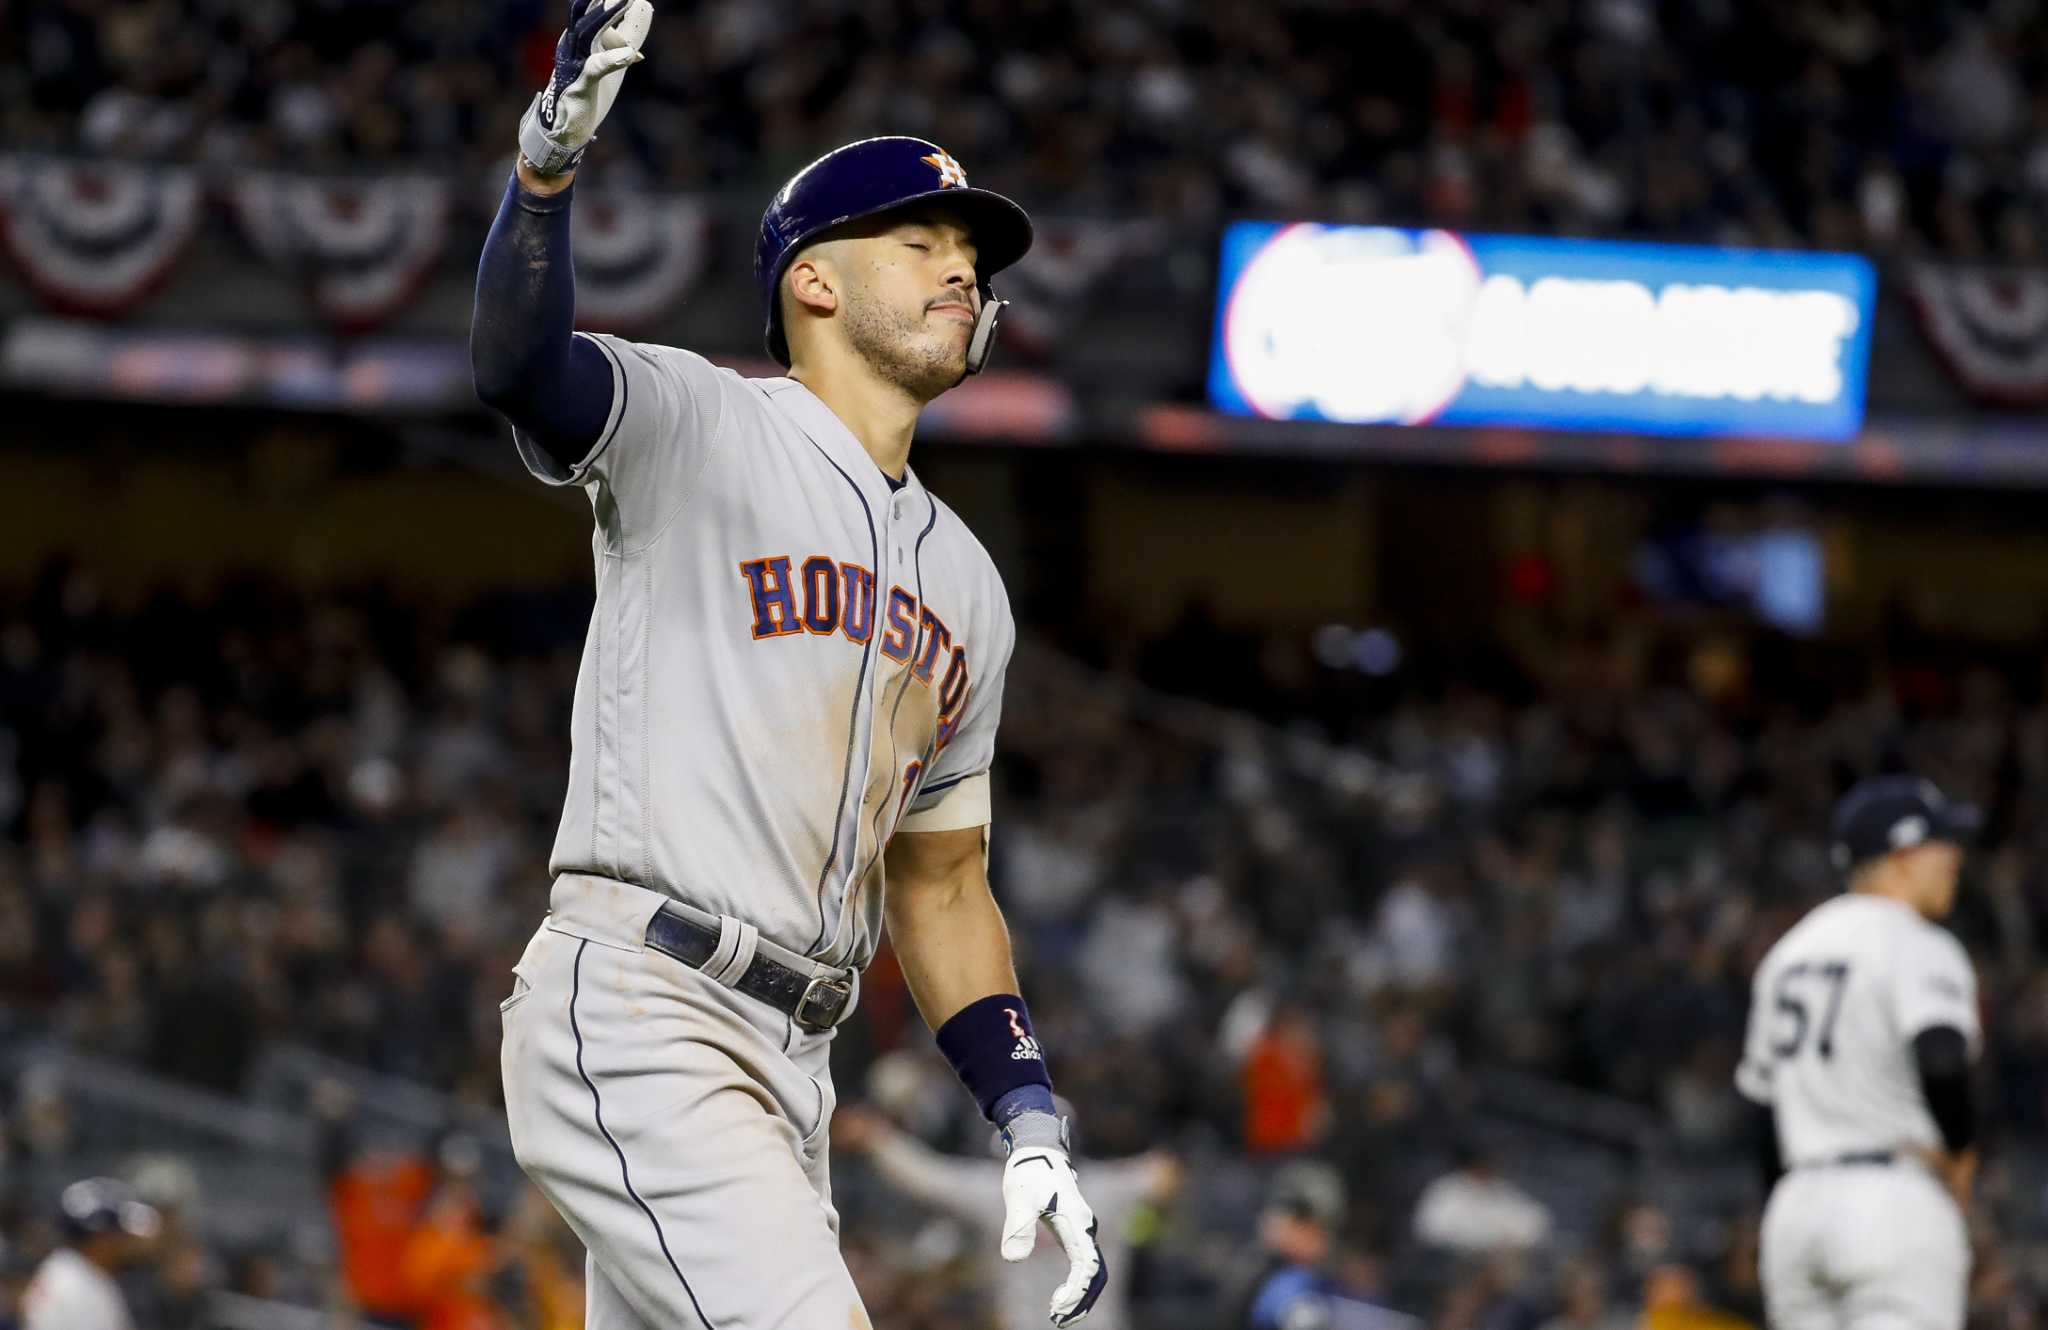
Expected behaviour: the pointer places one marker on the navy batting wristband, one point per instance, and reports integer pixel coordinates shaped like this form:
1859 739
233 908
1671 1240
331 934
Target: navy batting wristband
993 1052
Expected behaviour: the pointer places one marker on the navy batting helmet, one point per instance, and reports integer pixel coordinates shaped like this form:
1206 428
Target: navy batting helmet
875 176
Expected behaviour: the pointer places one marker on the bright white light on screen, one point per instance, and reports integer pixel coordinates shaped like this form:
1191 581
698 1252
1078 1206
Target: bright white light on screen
1371 324
1360 322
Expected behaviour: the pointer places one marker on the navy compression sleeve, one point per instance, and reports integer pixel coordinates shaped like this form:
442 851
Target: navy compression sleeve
555 387
1943 1055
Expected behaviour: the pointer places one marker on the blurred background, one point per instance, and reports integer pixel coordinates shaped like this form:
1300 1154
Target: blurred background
1475 481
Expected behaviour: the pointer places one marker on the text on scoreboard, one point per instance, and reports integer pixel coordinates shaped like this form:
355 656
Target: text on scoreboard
1375 324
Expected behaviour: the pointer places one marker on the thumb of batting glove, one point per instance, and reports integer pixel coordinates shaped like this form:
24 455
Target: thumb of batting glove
1039 1186
591 60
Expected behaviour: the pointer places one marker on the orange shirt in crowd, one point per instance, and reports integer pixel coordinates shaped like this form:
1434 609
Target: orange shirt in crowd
376 1202
1671 1301
556 1290
446 1264
1284 1105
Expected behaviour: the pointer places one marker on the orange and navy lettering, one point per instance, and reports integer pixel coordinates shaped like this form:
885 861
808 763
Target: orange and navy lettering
953 688
937 638
858 622
825 596
768 582
902 618
910 775
821 595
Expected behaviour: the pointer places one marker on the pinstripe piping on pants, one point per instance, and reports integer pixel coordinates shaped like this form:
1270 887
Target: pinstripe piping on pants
597 1108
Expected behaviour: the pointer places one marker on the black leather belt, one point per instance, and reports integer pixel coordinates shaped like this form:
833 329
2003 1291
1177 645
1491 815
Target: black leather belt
1857 1158
814 1002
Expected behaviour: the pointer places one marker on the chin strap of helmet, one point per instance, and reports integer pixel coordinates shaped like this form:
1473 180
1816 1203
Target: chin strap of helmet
984 338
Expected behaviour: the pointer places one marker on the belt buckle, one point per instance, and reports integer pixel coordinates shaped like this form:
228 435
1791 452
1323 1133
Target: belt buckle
823 1003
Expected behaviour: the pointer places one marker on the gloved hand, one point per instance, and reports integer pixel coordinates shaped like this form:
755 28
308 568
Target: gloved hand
1039 1184
590 62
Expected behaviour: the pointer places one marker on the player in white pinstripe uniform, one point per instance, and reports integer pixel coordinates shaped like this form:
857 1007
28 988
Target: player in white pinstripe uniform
1861 1033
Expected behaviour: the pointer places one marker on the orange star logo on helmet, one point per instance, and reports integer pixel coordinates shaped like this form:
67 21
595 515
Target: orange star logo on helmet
950 174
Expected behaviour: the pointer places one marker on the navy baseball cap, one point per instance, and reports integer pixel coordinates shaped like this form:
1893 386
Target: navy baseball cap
1887 813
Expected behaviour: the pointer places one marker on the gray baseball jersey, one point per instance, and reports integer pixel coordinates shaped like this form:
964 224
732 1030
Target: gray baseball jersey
1837 1004
787 658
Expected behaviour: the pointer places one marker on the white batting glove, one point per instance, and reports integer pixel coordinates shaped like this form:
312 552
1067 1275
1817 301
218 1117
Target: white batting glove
590 62
1039 1185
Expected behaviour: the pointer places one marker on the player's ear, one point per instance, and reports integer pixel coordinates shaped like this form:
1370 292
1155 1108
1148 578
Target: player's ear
812 284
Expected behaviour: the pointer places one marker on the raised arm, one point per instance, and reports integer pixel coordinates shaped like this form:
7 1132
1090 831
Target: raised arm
554 387
941 1182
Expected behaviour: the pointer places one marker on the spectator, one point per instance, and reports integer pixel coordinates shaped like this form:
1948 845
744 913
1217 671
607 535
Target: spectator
1285 1108
1704 1113
457 872
1416 935
970 1190
449 1256
1583 1302
106 1229
1720 124
375 1198
1587 865
1473 1210
1292 1285
548 1263
1672 1301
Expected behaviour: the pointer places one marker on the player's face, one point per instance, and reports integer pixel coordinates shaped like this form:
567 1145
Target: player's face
1935 867
911 301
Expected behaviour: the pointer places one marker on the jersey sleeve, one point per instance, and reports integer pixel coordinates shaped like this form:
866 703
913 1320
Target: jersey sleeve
969 747
667 410
1754 1072
1934 984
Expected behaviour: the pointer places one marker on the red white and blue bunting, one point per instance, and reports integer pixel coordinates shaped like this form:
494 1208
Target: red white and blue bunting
95 237
363 246
637 256
1990 327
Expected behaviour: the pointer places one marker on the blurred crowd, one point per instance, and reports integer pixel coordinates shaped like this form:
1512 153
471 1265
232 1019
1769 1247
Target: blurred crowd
244 815
395 1234
1874 124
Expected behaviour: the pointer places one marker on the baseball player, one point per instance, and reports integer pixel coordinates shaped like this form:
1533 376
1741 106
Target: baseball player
782 730
1862 1028
107 1227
